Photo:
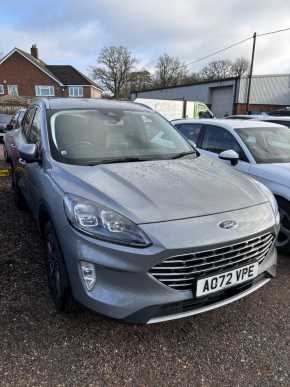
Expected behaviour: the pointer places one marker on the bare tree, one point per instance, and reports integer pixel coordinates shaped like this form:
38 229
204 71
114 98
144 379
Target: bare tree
218 69
240 67
222 69
169 71
190 78
114 67
140 80
137 81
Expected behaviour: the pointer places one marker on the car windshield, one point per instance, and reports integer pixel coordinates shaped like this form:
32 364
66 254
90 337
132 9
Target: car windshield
4 118
21 115
90 137
268 144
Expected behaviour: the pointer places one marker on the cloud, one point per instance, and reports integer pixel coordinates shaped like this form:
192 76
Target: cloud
73 31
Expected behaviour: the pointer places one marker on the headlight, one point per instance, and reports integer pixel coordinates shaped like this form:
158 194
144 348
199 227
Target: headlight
103 223
270 197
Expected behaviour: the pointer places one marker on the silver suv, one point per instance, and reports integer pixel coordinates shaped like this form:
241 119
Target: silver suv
138 225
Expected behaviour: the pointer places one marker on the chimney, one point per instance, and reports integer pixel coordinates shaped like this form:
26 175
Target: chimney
34 51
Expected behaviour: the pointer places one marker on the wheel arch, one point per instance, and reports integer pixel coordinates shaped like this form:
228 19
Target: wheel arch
280 198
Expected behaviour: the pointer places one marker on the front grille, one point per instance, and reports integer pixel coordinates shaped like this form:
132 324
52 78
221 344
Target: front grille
181 271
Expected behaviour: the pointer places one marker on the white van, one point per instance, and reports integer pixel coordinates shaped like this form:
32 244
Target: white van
172 110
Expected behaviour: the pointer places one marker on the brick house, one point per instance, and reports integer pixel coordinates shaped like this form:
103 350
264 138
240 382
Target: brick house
23 74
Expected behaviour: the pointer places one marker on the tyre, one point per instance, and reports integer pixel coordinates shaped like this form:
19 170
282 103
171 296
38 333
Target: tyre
58 280
283 241
18 197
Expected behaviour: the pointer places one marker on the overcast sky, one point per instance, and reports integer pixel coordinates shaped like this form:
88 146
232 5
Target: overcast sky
74 31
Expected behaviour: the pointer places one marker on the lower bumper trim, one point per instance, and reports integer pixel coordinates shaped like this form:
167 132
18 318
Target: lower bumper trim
212 306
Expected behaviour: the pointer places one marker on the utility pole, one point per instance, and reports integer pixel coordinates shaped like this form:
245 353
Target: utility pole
184 108
251 72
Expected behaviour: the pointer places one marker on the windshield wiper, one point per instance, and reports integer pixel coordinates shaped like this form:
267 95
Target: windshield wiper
119 160
135 159
182 154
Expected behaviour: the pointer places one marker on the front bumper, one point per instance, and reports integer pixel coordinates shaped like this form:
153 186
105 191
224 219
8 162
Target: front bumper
174 311
126 291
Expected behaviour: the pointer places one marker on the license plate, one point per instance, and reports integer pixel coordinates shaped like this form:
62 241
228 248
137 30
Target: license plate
225 280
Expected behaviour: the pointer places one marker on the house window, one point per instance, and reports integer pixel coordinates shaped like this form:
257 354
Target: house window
44 91
1 89
76 91
13 90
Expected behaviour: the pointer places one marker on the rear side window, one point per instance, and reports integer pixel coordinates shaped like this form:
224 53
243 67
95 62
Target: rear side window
26 123
217 140
34 133
19 119
15 118
190 131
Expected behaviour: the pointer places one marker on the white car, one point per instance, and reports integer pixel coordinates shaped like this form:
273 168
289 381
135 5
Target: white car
281 120
244 117
260 149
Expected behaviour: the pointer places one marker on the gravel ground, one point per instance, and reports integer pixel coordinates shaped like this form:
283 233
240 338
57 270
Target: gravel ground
244 344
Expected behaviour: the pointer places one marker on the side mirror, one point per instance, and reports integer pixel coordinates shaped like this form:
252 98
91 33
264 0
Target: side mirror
9 126
230 155
29 153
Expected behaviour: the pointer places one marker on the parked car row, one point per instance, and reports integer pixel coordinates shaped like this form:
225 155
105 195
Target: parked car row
138 224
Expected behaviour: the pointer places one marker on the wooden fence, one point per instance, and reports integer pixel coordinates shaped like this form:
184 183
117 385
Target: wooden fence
9 105
10 109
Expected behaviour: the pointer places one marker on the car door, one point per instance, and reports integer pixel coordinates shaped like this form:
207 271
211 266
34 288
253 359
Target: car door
216 139
17 137
8 137
21 137
33 170
9 142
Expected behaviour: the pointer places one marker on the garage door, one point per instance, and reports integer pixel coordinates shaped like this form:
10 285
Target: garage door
222 101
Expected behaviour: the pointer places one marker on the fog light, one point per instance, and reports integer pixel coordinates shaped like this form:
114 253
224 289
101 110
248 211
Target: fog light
89 274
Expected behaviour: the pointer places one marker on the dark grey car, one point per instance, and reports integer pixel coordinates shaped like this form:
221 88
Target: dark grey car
10 134
4 121
138 226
